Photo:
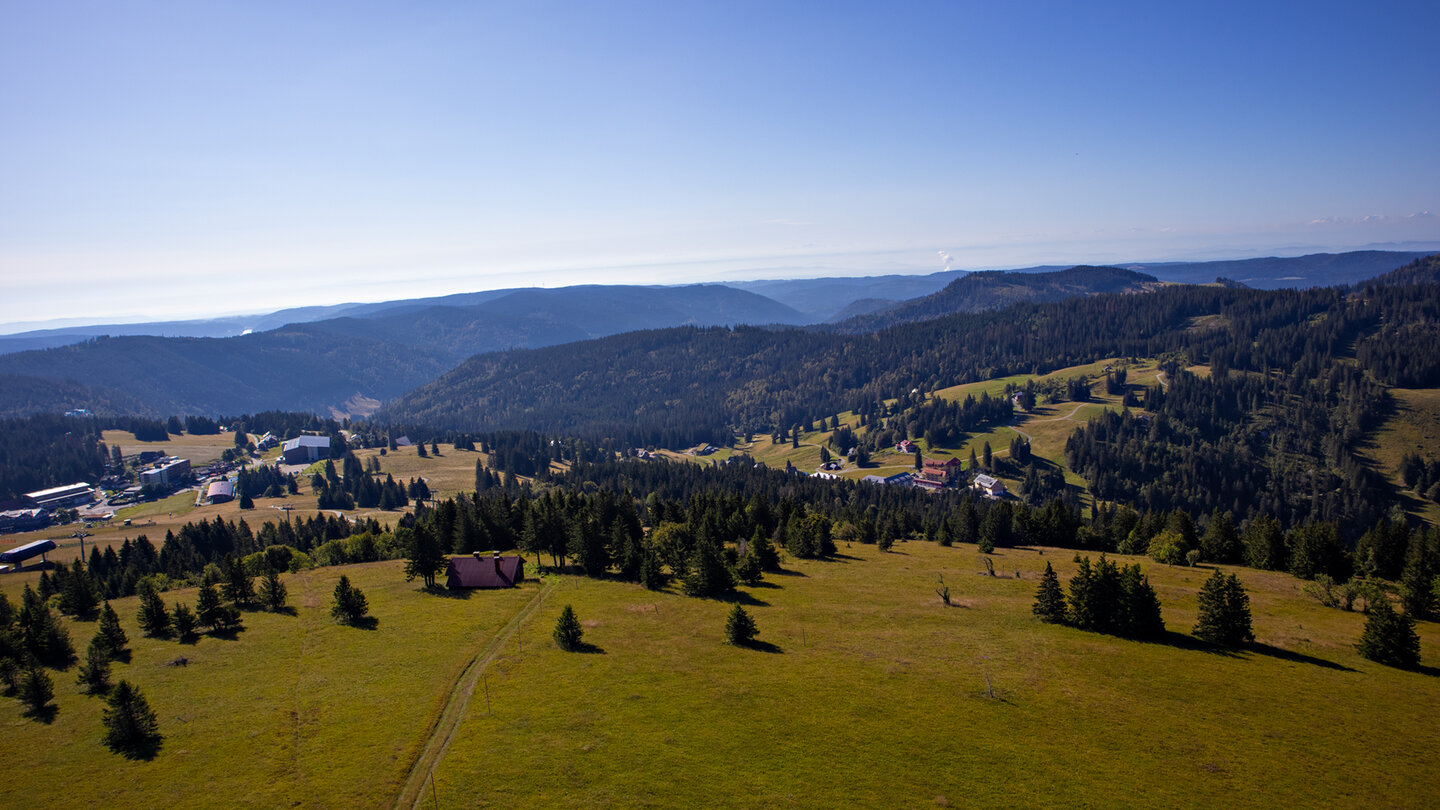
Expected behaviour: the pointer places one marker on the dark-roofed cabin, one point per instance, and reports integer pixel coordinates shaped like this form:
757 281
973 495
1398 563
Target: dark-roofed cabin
481 571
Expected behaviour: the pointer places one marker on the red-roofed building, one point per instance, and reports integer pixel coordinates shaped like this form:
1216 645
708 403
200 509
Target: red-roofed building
949 463
479 571
907 446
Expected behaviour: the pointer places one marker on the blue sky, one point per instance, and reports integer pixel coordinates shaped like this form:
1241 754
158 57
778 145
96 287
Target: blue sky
173 160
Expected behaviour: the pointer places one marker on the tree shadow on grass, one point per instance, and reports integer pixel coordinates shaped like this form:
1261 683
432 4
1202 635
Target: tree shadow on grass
45 714
1187 642
364 623
587 648
227 634
1294 657
785 572
741 598
286 610
838 557
761 646
763 584
145 749
448 593
1433 672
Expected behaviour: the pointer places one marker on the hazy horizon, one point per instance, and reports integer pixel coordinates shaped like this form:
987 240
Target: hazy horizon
758 275
175 162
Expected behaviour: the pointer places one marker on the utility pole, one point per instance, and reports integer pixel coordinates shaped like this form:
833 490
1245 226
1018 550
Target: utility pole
82 534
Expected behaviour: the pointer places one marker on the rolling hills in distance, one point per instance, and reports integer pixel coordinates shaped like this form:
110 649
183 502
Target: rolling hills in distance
816 300
346 359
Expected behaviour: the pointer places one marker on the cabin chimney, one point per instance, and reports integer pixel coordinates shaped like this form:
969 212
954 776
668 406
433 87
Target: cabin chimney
497 564
477 556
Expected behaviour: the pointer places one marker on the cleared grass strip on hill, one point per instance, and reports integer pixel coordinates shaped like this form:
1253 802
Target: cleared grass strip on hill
443 729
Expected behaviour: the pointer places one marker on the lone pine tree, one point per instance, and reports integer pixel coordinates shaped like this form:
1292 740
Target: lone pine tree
567 630
272 591
740 628
350 606
130 725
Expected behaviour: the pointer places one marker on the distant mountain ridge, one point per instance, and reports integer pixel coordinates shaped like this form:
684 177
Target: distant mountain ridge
1271 273
978 292
320 366
817 300
376 352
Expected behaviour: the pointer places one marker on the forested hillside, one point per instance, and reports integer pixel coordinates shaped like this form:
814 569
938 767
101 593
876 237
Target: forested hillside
977 292
1296 383
319 366
46 451
293 368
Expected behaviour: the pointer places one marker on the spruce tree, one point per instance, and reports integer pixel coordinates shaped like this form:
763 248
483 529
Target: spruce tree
117 644
239 586
154 619
708 574
185 622
36 690
77 593
652 576
740 628
41 635
9 677
764 550
1049 598
1224 612
1417 592
567 630
94 674
1081 609
272 591
1220 543
1389 637
130 726
425 558
208 607
350 606
1139 606
748 569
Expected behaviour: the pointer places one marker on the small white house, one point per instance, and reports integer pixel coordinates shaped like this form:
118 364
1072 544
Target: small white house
989 485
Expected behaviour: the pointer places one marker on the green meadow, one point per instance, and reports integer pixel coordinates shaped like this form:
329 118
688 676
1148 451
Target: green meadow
865 691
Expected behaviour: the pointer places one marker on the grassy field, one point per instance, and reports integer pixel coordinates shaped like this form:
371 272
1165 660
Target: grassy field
452 472
1414 426
199 449
1047 427
867 692
296 711
871 693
